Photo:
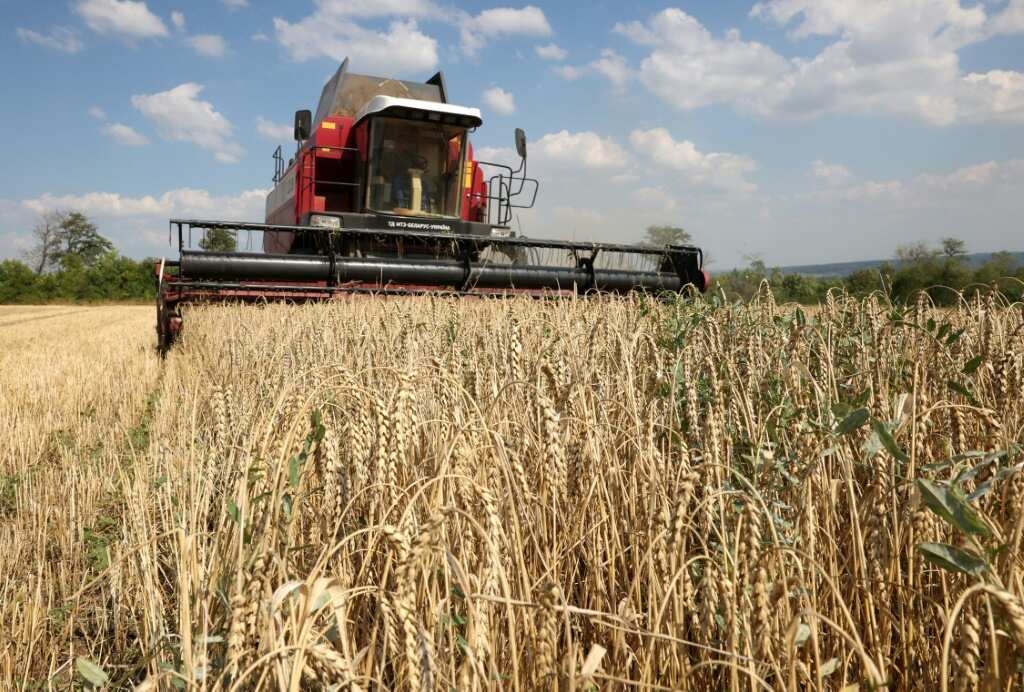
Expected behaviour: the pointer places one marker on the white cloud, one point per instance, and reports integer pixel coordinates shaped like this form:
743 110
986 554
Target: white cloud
831 173
1011 19
551 51
136 225
260 37
59 38
689 68
247 205
129 19
277 132
501 21
402 49
97 112
504 155
500 101
208 45
611 65
569 72
178 20
886 58
528 20
585 149
654 198
181 116
333 30
123 134
235 4
721 170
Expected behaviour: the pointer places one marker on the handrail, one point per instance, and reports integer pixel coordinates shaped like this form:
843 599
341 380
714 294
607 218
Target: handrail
437 236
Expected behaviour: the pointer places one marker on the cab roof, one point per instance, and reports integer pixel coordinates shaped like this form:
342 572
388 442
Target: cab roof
415 109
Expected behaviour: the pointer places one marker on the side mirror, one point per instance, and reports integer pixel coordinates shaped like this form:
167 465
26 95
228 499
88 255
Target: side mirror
521 142
303 125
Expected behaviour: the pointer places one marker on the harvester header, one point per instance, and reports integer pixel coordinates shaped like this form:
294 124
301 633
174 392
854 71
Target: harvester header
384 195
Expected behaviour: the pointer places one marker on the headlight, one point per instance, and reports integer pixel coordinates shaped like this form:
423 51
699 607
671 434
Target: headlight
320 221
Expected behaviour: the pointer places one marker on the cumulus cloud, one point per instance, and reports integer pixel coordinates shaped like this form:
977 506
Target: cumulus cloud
208 45
611 65
136 224
884 58
178 20
59 38
123 134
247 205
585 149
569 73
401 49
126 18
180 115
276 132
501 21
500 101
97 112
716 169
831 173
334 30
551 51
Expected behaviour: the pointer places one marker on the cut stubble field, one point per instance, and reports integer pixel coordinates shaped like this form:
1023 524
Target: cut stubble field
442 494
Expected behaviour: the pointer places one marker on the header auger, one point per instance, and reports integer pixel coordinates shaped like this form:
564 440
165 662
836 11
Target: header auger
384 195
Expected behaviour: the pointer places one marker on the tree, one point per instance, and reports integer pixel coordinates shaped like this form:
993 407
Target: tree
46 242
79 240
218 240
953 248
666 235
914 252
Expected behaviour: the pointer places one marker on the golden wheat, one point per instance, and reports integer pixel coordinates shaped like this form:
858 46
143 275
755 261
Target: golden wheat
438 494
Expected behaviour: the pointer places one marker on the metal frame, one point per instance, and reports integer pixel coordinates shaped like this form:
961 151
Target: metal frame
456 269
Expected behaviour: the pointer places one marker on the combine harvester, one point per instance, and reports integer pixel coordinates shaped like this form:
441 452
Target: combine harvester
385 196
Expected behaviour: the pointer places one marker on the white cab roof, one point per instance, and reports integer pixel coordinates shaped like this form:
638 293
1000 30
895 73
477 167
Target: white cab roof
468 117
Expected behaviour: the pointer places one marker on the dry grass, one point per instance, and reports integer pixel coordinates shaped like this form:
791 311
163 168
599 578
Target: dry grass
440 494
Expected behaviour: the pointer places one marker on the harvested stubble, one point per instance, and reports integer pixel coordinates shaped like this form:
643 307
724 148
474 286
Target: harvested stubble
440 494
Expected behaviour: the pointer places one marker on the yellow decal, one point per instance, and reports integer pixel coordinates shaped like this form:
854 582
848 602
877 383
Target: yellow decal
325 150
469 175
328 125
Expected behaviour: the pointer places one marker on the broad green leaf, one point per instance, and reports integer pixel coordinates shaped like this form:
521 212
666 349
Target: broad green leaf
91 672
972 365
233 512
954 337
961 389
951 558
950 504
943 332
293 471
887 440
853 421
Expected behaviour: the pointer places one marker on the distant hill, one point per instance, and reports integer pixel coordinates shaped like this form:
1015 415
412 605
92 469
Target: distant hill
841 269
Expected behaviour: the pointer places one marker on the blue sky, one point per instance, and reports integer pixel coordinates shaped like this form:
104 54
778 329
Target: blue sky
791 130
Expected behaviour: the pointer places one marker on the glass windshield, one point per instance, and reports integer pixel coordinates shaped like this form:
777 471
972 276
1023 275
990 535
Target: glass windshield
414 167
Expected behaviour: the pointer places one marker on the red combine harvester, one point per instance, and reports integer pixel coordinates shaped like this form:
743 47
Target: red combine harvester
385 196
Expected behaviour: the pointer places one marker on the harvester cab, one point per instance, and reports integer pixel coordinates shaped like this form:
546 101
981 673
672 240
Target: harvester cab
384 194
389 154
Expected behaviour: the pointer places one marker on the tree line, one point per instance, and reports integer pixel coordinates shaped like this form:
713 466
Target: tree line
70 261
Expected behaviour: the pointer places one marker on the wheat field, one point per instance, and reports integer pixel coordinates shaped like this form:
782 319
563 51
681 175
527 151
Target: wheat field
517 494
